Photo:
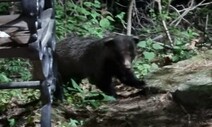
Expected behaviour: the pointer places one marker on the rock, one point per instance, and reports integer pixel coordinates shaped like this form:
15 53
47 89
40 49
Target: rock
189 81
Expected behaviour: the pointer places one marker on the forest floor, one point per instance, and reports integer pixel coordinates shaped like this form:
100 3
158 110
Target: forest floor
149 107
144 108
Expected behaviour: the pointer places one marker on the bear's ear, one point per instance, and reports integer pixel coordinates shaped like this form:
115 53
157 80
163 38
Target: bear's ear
136 39
108 41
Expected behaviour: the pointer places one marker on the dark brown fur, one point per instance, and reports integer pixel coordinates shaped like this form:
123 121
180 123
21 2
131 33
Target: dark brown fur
98 60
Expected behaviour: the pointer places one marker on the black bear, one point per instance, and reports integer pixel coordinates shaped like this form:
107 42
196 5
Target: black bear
98 60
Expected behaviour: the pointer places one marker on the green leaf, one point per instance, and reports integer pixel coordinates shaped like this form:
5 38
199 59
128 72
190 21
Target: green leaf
121 15
88 4
11 122
177 48
73 123
105 23
178 42
108 98
3 100
84 11
175 58
4 78
154 66
149 55
97 4
157 46
146 66
94 14
76 86
195 34
110 18
142 44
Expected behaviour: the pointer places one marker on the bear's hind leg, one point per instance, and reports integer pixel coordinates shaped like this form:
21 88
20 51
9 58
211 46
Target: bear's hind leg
106 86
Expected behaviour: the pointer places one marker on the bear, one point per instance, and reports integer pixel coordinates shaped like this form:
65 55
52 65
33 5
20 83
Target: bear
99 60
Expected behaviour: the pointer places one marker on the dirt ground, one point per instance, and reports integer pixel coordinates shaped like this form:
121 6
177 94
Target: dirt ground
155 110
146 108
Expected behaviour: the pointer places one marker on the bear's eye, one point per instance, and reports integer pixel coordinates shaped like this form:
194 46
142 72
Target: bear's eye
131 48
131 51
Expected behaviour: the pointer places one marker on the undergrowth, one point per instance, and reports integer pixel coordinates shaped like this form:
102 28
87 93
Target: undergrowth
87 19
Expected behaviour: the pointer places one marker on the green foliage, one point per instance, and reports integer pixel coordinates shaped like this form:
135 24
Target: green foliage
4 7
180 51
151 51
80 97
84 19
4 78
71 123
17 95
14 69
11 122
143 68
75 123
120 17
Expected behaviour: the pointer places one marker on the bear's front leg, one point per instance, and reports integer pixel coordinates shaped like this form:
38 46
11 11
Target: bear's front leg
127 77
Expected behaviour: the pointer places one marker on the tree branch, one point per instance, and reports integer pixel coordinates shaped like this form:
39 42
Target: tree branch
164 23
129 21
